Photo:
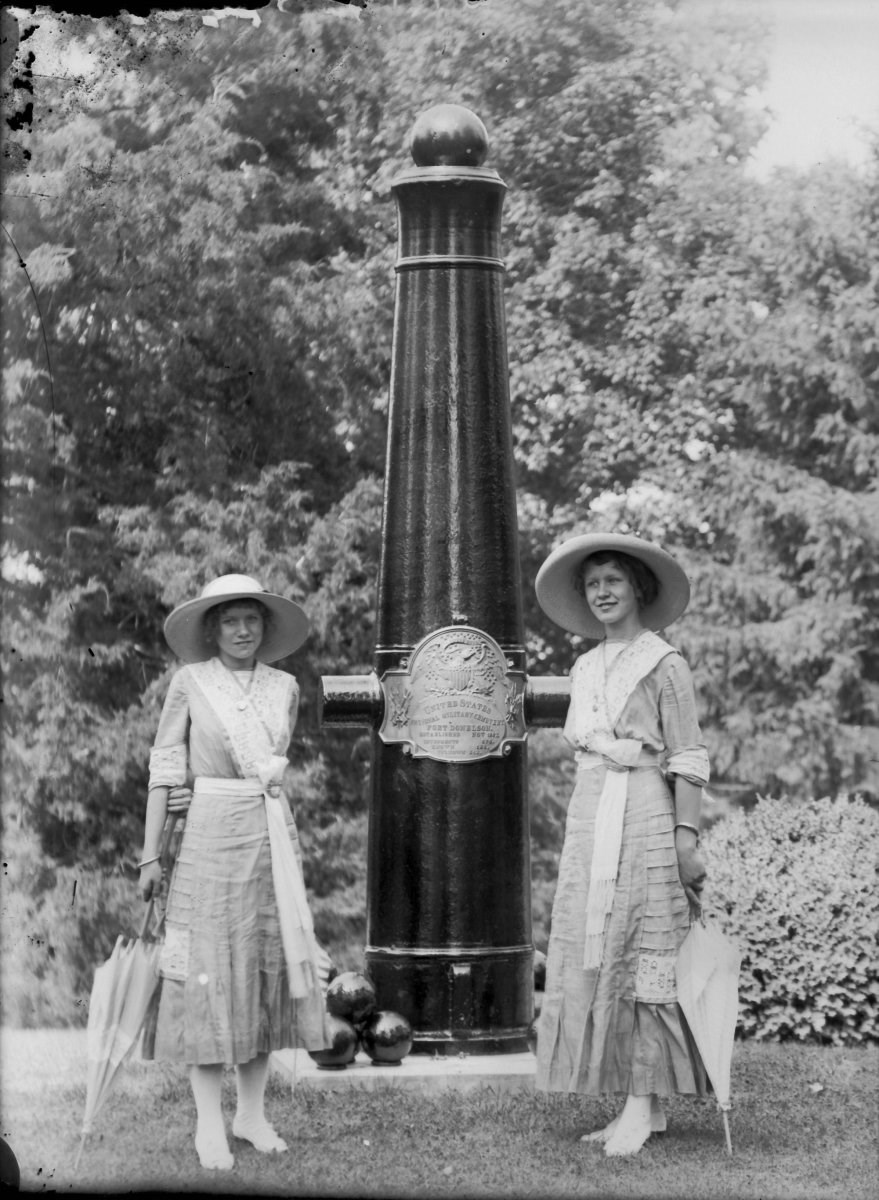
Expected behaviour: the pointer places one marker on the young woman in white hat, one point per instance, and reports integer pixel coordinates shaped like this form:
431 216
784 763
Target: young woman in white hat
239 962
630 871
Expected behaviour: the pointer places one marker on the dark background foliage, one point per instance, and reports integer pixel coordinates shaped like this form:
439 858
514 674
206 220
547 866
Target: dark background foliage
196 362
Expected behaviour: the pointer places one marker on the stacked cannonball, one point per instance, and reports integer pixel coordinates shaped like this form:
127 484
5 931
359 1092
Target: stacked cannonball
355 1021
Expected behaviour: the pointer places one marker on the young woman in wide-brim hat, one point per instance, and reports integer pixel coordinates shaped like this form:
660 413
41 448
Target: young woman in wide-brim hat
239 963
630 872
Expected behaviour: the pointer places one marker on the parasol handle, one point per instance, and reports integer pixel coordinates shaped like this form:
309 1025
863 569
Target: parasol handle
167 833
725 1115
147 918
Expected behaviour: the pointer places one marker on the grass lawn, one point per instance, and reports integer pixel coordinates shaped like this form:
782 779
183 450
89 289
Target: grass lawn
804 1125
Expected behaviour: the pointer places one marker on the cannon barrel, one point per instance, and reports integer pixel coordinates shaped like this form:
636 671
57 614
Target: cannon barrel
449 940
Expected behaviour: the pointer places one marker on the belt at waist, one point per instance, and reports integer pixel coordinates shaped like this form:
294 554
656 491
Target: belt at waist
221 786
587 761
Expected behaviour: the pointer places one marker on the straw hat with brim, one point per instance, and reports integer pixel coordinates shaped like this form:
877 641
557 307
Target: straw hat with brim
185 631
559 598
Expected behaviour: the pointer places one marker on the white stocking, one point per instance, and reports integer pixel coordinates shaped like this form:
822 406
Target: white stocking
210 1133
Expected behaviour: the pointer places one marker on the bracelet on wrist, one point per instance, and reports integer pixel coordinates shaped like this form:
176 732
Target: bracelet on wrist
146 862
687 825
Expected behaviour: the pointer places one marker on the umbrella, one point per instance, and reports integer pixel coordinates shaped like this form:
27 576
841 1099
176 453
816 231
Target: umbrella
122 992
708 993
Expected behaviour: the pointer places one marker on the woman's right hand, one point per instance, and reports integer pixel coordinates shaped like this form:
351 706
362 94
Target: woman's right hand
150 880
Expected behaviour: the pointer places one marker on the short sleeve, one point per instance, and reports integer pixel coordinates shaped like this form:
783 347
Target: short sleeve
168 757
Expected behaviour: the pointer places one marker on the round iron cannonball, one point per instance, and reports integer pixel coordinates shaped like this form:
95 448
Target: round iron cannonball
386 1037
351 996
343 1048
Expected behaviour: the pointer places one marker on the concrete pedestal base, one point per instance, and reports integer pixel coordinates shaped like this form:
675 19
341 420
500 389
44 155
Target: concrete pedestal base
421 1073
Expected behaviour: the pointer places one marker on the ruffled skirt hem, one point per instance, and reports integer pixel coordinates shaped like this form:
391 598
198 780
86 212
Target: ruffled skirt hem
658 1058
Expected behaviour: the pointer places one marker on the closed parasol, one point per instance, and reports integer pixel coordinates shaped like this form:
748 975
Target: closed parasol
122 993
708 993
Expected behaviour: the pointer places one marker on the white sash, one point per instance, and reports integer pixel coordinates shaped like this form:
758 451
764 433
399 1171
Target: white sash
598 696
255 722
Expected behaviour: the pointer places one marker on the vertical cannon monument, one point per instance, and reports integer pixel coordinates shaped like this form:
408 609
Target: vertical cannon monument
448 873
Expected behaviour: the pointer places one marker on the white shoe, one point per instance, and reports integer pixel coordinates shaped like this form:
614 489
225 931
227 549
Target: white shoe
658 1124
633 1128
214 1153
261 1136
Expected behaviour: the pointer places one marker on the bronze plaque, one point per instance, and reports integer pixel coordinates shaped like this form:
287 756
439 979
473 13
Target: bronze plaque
457 700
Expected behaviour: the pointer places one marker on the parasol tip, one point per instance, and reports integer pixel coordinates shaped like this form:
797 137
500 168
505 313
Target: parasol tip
79 1153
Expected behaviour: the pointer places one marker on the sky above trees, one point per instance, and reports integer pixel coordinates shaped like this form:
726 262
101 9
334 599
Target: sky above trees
823 80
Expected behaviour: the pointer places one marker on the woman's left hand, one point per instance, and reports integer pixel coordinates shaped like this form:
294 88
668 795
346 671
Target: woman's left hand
691 868
179 800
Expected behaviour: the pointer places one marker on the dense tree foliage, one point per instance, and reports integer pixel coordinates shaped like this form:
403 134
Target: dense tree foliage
196 360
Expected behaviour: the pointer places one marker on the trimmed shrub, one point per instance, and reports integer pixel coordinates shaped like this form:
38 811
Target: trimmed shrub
794 884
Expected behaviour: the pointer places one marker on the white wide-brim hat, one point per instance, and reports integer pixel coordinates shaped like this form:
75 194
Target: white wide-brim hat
185 631
558 595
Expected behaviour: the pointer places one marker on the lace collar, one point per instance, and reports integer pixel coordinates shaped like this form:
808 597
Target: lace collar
600 689
255 720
